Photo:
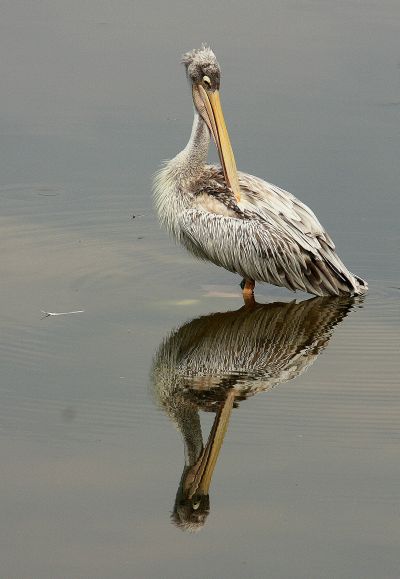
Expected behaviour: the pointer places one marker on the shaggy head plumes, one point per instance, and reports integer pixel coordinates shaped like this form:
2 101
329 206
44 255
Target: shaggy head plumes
202 62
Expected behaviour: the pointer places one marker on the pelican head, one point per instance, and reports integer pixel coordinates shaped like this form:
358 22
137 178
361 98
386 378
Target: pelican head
202 67
204 75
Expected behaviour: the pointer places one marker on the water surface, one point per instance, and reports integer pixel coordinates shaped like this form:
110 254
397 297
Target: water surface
306 481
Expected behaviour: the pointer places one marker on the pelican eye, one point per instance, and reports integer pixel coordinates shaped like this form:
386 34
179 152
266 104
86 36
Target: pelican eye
196 504
207 81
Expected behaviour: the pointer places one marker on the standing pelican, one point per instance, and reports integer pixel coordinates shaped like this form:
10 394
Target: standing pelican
238 221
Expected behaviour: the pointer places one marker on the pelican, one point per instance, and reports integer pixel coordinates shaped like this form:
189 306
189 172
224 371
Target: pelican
214 362
238 221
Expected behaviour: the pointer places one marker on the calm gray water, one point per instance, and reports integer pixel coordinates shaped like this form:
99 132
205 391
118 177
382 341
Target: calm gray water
307 480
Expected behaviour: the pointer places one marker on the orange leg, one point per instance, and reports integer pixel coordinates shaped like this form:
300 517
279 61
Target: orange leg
248 292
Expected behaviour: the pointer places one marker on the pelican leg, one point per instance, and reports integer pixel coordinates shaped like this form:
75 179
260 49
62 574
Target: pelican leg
247 286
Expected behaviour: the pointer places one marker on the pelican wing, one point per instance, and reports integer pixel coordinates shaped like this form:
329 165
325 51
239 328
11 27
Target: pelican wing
270 236
284 206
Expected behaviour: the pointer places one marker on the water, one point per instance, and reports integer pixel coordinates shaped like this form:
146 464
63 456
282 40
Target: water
306 481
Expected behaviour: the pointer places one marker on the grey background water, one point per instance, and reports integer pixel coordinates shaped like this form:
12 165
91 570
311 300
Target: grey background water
93 97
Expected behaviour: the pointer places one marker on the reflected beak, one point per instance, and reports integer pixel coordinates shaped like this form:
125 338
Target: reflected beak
209 106
198 478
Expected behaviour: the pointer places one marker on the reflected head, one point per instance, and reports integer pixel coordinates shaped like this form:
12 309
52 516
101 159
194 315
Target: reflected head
190 514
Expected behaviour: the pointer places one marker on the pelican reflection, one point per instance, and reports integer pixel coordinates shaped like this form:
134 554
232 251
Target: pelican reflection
215 361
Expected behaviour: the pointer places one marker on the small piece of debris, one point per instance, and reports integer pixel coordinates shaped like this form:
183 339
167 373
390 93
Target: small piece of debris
47 314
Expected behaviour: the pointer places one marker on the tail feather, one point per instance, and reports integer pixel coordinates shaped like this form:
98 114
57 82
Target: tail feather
362 285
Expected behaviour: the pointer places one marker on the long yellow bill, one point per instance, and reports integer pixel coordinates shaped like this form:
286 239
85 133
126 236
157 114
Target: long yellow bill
216 123
199 478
